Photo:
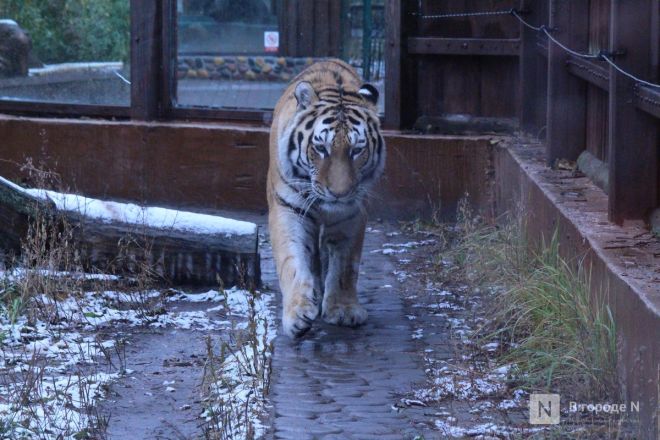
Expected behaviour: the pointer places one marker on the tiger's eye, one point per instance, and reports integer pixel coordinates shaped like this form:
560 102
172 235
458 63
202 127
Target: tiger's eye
321 150
356 151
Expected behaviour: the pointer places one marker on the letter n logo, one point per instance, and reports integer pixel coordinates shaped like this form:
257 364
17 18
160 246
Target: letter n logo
544 409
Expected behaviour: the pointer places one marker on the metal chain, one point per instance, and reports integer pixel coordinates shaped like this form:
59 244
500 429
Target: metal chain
543 28
465 14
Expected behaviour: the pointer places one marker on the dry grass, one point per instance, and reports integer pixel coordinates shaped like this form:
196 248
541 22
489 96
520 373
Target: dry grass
54 400
237 375
557 329
550 323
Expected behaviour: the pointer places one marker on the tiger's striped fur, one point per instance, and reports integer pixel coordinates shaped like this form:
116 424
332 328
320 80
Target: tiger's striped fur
326 150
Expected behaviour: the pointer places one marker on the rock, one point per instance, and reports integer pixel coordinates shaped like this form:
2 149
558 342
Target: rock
15 46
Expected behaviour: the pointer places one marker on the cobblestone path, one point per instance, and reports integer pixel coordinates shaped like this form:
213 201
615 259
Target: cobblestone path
342 383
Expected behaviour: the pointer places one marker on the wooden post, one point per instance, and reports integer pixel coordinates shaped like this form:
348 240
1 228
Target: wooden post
393 64
532 90
633 134
400 69
566 119
146 58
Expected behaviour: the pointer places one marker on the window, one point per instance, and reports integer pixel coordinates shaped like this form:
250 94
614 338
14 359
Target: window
241 55
65 51
184 59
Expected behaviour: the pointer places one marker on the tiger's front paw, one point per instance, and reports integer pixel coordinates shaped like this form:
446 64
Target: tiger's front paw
352 314
297 319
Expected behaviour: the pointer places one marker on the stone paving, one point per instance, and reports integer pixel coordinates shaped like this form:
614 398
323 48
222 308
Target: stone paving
342 383
375 381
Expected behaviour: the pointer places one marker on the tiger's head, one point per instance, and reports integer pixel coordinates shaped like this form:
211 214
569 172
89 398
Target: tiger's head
335 142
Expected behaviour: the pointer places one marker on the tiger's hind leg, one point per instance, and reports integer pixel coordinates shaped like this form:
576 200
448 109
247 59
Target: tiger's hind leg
342 255
295 249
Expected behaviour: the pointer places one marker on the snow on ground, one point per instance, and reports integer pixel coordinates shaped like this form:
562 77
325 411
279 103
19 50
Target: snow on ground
58 362
468 377
237 390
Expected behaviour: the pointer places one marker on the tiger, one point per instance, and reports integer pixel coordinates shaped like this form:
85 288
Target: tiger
326 151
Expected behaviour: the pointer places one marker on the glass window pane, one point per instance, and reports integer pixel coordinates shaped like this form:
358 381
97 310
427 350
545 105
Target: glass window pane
235 54
65 51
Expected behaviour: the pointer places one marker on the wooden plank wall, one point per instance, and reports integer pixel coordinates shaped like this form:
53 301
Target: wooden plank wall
493 66
590 104
474 77
596 131
310 28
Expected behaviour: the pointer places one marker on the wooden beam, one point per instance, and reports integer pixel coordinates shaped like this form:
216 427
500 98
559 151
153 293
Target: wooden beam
464 46
633 135
146 58
533 78
566 119
168 80
393 61
589 71
648 100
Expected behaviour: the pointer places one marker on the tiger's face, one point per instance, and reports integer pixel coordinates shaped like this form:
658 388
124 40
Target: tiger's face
336 142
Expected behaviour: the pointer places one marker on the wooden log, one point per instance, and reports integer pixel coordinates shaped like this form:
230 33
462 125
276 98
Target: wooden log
175 255
16 207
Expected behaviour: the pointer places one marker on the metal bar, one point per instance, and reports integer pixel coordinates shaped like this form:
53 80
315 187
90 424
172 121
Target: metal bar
57 109
464 46
225 114
367 20
168 89
589 71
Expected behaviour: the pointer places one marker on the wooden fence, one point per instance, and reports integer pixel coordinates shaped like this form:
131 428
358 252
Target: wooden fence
575 102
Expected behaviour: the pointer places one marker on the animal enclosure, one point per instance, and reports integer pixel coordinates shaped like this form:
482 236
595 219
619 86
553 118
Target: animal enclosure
548 109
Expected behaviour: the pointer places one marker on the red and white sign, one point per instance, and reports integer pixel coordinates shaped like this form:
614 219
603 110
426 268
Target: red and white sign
271 41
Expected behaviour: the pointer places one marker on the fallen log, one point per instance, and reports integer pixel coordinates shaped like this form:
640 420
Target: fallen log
118 238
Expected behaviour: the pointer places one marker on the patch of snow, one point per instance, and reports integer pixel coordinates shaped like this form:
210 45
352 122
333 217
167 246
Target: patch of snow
161 218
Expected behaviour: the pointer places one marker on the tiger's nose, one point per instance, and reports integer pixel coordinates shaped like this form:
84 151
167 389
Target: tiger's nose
340 194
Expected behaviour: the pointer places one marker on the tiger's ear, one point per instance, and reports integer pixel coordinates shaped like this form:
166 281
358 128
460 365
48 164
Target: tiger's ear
369 92
305 95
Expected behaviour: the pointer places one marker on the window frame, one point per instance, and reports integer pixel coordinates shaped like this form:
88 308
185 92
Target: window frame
153 55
